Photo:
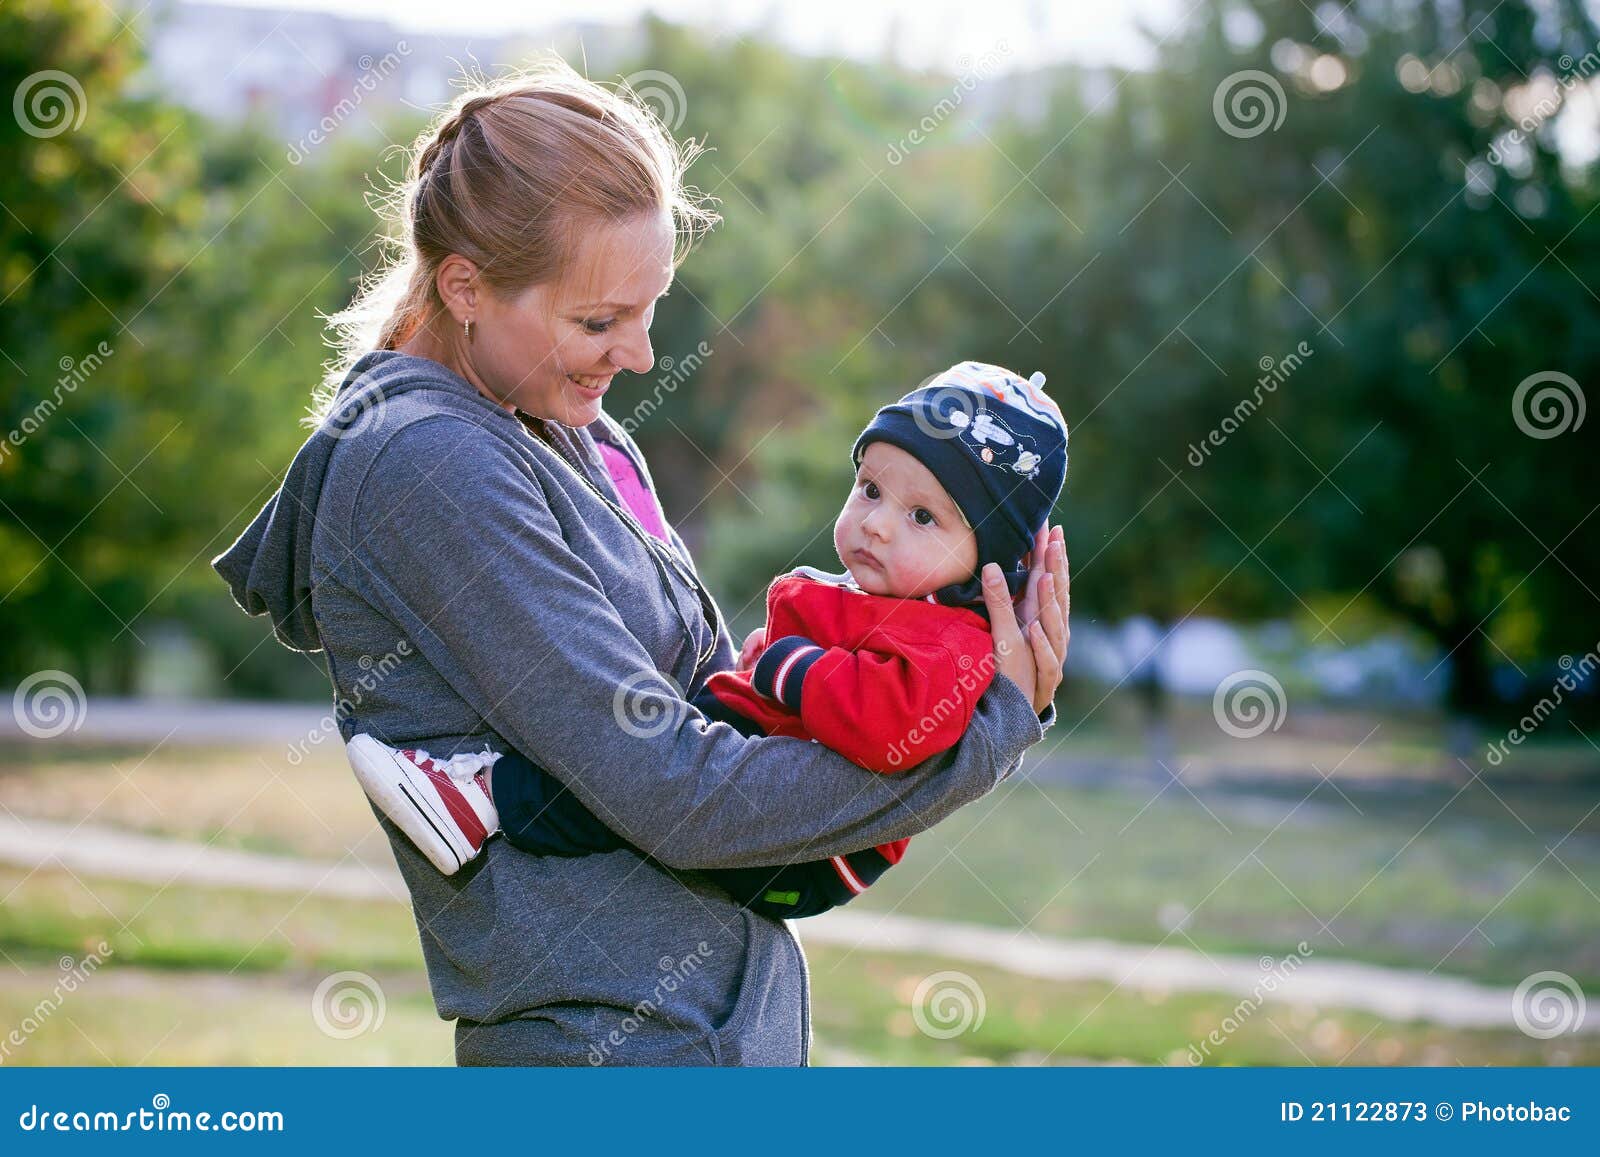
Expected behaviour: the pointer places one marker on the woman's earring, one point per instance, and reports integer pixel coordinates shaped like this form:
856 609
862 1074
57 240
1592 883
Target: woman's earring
466 329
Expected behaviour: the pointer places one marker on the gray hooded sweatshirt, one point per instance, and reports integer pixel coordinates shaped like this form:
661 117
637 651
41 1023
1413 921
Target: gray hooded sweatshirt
468 588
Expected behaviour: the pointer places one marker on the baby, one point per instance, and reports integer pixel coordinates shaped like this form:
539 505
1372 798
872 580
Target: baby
883 663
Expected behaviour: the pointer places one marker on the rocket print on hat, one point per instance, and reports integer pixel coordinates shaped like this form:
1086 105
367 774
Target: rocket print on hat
996 443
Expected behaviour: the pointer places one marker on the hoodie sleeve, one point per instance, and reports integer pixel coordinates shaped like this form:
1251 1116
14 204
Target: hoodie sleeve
465 554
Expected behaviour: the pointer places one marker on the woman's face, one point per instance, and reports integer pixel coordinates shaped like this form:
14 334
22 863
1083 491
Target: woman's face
552 350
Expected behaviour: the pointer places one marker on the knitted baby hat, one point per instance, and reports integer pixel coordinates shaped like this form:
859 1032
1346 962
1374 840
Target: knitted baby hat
997 445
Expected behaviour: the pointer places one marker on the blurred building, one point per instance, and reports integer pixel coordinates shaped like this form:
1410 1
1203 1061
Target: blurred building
306 72
310 73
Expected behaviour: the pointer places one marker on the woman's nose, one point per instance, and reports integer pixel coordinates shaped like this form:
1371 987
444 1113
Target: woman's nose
634 354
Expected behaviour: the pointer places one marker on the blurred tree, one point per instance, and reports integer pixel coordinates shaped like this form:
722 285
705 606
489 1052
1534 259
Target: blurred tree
1429 265
94 189
1347 293
173 271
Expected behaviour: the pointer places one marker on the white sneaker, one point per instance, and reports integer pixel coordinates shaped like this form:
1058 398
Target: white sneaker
442 805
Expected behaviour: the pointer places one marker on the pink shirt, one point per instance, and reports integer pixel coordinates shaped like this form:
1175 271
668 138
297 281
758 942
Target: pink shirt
632 490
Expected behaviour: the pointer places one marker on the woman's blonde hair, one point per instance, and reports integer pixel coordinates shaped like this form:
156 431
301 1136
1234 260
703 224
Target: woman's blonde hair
508 177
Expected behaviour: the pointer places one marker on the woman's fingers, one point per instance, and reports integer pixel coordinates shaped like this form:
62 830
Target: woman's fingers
1047 665
997 599
1049 636
1031 636
1039 559
1013 655
1061 582
1028 611
1050 617
1063 573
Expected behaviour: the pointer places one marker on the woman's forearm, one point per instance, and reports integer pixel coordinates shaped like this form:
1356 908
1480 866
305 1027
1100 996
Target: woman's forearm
791 800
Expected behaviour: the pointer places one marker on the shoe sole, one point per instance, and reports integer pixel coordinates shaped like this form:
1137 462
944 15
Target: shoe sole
404 795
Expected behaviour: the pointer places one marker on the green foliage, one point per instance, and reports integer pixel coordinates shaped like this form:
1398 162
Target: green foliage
162 282
1108 231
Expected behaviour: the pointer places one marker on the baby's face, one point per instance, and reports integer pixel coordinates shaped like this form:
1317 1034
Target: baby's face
900 534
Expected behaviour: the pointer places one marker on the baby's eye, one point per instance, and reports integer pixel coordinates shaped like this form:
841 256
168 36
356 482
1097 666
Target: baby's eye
870 489
597 327
924 516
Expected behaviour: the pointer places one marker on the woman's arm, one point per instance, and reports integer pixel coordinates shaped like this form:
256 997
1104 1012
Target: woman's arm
472 564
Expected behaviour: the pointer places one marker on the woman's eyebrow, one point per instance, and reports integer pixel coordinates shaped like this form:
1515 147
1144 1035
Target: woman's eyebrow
618 306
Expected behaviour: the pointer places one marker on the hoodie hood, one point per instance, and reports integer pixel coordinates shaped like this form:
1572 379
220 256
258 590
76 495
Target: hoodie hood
268 569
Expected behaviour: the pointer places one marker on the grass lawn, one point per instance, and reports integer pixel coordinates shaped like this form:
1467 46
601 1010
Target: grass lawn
1454 876
1492 877
1435 877
1363 745
241 992
258 798
131 1016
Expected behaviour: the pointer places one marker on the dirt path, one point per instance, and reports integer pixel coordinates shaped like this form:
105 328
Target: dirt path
1391 993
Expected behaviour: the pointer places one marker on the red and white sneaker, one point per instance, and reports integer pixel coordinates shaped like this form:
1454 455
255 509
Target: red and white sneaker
442 805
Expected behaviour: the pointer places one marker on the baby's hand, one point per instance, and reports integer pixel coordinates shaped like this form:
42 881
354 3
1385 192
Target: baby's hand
754 643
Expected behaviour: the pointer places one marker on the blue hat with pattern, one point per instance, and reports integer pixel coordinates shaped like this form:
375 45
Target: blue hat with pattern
997 444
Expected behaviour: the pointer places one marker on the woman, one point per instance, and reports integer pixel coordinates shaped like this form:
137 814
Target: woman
457 537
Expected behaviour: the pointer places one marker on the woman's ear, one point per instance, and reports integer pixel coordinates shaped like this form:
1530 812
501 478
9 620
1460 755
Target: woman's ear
458 286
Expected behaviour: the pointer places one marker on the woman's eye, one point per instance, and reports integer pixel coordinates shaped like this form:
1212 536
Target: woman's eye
923 516
598 327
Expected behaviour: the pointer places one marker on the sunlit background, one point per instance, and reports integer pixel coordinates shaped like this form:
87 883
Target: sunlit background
1316 285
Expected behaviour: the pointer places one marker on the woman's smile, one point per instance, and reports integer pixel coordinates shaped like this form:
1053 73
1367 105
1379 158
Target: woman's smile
591 384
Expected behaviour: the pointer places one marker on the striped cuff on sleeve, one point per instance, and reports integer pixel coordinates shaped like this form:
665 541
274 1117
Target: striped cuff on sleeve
781 670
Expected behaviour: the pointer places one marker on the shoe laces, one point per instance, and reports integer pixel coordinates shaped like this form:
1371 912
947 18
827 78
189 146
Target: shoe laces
461 768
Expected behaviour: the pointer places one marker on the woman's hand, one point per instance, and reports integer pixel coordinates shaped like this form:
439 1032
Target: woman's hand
1030 652
754 643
